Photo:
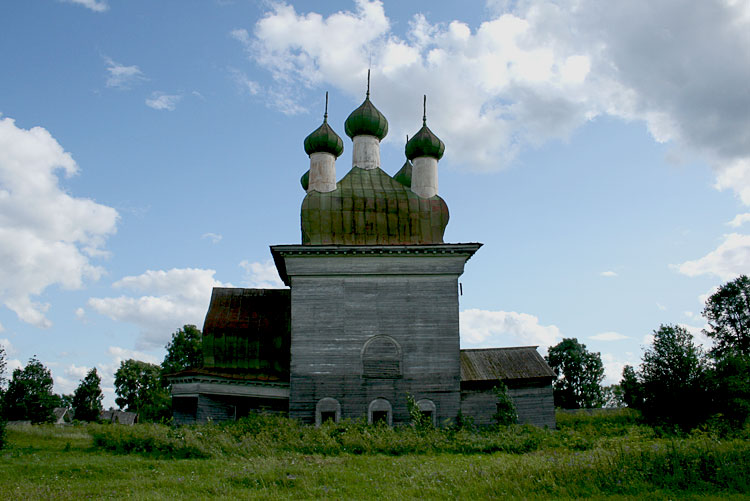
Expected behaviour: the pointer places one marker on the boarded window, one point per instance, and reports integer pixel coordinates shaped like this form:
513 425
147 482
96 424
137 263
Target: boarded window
380 411
327 409
381 358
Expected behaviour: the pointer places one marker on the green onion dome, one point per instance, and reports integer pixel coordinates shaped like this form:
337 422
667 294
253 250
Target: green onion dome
366 121
425 143
403 176
305 180
324 140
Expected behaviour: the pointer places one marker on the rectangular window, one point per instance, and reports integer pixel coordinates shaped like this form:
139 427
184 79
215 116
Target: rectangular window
328 416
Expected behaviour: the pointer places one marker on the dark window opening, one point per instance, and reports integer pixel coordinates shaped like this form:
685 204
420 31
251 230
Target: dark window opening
380 417
427 415
328 416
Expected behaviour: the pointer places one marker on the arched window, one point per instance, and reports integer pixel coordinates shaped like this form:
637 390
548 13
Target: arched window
427 408
381 358
380 412
327 409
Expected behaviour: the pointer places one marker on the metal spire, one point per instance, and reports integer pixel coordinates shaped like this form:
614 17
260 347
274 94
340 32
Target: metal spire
368 83
325 115
424 116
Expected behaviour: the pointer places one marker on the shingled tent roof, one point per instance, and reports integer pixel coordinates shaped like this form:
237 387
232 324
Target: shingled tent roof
494 364
369 207
247 333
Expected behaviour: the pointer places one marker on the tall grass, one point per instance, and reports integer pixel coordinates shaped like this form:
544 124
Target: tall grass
271 457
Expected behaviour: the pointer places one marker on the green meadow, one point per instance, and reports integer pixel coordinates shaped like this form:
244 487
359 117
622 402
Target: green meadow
603 455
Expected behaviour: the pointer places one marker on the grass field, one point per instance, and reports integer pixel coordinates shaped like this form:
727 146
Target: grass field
607 455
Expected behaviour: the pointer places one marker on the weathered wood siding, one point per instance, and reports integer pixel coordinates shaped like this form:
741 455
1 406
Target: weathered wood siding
341 302
534 405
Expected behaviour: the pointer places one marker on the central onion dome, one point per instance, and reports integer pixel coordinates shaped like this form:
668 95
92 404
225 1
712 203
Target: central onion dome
324 139
366 120
425 143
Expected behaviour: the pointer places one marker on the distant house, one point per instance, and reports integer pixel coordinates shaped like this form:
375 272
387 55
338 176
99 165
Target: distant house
522 369
118 417
371 313
62 415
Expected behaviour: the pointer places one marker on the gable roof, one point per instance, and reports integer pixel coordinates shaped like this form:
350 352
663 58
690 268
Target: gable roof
493 364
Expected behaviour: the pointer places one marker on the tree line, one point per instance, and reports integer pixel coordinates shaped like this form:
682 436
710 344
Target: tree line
141 387
677 385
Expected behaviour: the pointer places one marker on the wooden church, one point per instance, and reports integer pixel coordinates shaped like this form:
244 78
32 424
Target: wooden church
371 311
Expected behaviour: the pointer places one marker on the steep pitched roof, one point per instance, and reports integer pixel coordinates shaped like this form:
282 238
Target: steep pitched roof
503 364
247 331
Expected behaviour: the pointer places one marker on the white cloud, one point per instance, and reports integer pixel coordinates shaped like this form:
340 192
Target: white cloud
535 71
261 275
120 354
608 274
661 307
122 77
8 346
215 238
162 101
739 220
483 329
727 261
614 364
171 299
95 5
284 100
609 336
47 236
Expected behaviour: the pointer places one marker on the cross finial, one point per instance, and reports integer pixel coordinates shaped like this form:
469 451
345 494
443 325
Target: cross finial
368 82
325 115
424 116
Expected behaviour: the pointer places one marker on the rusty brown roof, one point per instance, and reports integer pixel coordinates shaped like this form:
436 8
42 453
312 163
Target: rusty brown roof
248 331
522 362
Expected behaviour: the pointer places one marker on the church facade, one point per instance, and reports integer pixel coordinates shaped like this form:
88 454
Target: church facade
371 312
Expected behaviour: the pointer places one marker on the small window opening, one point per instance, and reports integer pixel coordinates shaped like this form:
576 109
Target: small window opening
380 417
328 416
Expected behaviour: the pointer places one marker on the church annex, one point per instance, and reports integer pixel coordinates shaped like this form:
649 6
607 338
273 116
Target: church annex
371 312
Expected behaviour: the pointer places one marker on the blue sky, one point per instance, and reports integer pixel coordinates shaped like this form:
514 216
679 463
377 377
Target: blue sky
152 150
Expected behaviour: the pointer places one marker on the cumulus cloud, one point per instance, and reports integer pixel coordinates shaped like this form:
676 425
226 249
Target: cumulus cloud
739 220
727 261
615 363
609 336
608 274
261 275
170 300
535 71
162 101
95 5
123 77
47 236
485 329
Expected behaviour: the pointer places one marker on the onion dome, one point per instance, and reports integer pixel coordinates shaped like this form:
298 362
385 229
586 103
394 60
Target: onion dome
305 180
403 176
324 139
366 120
425 143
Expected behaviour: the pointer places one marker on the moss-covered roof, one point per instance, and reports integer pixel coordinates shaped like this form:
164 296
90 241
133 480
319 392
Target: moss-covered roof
247 331
369 207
